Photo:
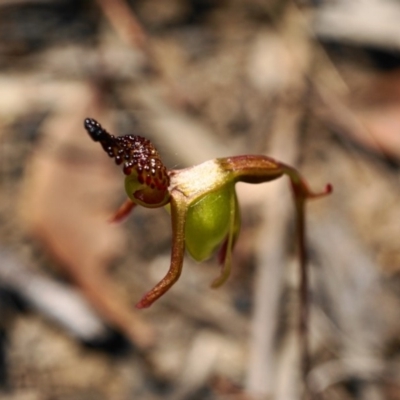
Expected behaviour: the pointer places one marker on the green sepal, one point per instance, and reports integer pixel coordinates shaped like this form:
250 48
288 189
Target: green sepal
208 222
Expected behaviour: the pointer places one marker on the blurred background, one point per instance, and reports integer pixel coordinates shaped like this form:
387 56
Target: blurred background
315 84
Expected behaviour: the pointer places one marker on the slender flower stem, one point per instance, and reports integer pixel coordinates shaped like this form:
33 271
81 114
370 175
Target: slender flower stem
304 288
301 193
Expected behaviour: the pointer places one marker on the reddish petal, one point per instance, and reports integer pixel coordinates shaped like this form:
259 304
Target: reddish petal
122 213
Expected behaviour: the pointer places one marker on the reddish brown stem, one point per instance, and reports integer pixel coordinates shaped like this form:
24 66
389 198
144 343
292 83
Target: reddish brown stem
301 193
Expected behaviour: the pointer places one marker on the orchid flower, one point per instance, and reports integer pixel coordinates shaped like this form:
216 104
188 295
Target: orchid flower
201 199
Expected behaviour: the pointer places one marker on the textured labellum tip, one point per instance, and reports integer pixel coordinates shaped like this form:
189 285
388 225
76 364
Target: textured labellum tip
95 130
147 178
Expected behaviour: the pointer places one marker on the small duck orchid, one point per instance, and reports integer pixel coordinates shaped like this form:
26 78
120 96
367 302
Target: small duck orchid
201 199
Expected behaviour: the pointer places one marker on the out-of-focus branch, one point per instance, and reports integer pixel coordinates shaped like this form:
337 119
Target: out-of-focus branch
264 377
125 23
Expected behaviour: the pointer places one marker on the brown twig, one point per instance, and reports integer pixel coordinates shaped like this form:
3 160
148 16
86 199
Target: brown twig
127 26
125 23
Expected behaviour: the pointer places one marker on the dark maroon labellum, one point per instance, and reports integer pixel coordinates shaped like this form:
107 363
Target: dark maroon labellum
135 153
